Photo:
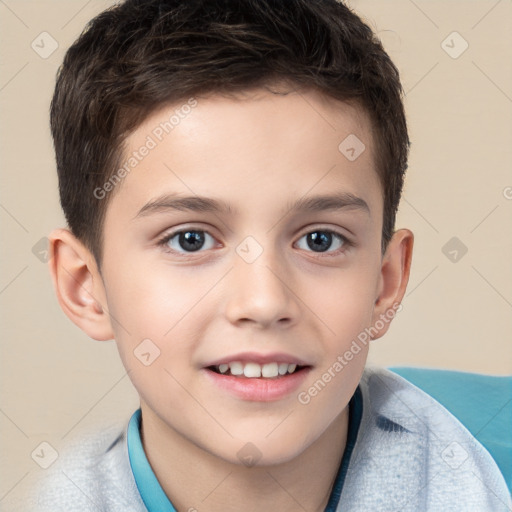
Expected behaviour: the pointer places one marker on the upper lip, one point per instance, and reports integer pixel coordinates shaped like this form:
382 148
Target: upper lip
255 357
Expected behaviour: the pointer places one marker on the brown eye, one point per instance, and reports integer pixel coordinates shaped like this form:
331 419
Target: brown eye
322 241
190 240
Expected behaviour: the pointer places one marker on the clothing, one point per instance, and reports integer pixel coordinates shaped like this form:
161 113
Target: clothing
482 403
410 454
156 500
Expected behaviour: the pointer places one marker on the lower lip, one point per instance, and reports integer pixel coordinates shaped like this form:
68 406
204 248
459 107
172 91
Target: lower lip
259 389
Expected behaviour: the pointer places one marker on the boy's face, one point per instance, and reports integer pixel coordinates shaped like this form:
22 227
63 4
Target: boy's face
266 283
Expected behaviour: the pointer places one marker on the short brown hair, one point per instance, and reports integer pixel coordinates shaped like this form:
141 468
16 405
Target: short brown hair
141 54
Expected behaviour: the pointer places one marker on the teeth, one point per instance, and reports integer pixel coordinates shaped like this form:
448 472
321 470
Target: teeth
252 370
283 368
236 368
255 370
269 370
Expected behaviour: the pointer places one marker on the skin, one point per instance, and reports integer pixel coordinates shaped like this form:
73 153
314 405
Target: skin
259 153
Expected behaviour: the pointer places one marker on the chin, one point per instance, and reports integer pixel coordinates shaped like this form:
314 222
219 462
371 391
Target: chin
258 451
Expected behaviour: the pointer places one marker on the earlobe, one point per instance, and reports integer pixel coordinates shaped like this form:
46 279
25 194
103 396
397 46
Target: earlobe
78 285
395 270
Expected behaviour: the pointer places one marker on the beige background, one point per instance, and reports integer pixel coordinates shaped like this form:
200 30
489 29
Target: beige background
55 381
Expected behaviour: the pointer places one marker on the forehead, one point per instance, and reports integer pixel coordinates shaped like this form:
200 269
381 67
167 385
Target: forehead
267 147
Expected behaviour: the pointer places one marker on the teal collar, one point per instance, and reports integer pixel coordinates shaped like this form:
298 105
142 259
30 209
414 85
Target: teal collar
155 498
150 489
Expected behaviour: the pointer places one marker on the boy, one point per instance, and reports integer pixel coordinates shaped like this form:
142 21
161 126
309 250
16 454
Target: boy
230 171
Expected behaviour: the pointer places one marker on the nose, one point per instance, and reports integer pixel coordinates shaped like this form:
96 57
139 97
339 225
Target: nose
261 294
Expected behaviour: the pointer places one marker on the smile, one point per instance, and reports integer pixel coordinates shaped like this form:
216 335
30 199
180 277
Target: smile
255 382
253 370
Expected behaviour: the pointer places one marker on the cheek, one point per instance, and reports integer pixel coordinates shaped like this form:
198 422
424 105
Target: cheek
344 306
344 300
153 312
147 300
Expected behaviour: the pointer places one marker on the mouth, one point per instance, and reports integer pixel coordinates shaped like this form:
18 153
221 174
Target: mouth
252 370
258 377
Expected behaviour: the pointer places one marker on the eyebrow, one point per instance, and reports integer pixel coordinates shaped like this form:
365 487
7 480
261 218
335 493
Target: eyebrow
193 203
339 201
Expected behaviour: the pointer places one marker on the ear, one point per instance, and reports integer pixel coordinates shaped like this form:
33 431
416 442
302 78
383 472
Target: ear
394 276
78 285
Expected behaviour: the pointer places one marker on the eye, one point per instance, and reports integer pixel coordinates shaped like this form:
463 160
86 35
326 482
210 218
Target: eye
187 241
322 241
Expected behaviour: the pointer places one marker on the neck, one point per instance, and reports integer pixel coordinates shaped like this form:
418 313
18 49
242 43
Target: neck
194 479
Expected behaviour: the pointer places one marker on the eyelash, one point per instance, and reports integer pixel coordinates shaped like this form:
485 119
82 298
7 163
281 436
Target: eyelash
346 243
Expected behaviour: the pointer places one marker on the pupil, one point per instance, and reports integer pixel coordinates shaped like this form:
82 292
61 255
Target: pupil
191 240
319 241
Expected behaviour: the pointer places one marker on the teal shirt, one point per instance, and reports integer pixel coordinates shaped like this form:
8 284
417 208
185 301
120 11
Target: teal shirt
156 500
